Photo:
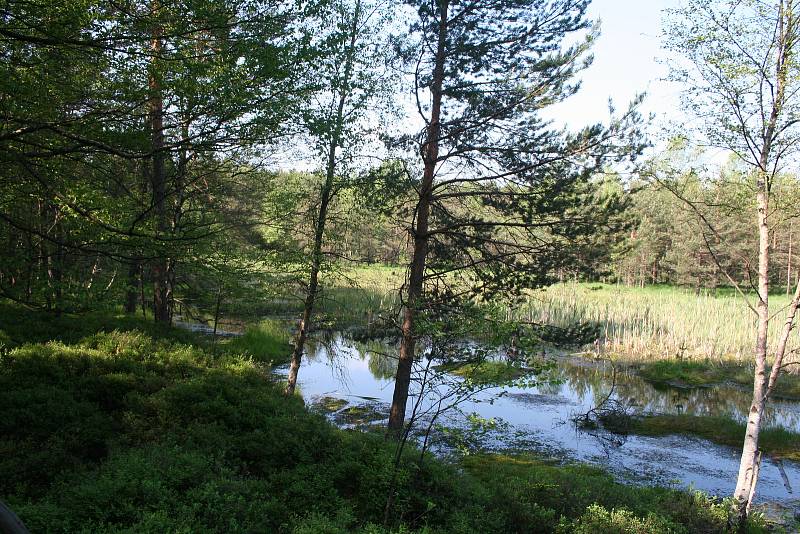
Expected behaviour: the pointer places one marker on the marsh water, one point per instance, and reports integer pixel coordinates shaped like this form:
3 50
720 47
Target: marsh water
356 378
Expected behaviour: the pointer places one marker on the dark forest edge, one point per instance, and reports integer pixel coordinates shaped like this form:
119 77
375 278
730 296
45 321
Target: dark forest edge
118 424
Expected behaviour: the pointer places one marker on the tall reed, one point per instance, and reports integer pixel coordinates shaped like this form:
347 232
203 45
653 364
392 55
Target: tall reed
655 322
648 323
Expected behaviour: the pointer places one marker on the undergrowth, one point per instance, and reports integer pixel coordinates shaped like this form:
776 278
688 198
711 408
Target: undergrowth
111 424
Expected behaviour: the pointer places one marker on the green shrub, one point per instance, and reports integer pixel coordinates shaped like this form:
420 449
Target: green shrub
131 429
597 519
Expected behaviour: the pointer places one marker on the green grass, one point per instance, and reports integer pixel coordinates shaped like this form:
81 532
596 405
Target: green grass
707 373
137 429
267 341
486 372
657 322
355 297
775 442
694 373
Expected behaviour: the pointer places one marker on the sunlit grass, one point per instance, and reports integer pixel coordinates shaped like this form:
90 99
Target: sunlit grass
267 341
702 373
648 323
657 322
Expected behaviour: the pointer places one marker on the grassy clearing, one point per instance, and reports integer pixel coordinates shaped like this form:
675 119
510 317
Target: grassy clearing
354 297
654 322
705 373
129 429
361 296
776 442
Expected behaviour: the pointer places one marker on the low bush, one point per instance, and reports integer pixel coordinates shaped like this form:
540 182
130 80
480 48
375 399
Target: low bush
128 429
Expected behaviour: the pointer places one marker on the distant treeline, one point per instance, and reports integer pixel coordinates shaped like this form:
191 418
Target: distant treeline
695 232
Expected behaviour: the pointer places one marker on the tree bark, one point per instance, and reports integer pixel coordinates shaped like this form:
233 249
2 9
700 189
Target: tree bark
789 260
313 288
162 292
216 312
9 522
747 478
131 296
416 276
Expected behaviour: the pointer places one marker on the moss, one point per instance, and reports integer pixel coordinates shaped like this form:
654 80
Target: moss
683 373
328 405
584 497
362 414
486 372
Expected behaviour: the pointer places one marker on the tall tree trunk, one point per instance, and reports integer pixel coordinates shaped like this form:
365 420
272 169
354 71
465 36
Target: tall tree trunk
162 293
789 260
430 155
216 311
313 286
748 467
55 270
326 195
143 300
131 292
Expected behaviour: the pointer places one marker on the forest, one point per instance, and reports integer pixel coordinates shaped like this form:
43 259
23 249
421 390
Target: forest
332 266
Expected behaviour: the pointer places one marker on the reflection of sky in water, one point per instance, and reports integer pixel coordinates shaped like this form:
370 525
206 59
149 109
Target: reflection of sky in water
364 371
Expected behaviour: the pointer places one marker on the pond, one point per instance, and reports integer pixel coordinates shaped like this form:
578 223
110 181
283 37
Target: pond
353 383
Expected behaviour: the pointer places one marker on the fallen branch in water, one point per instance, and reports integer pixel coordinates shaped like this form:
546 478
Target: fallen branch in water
609 409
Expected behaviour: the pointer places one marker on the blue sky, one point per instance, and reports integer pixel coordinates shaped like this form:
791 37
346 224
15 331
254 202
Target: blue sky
625 63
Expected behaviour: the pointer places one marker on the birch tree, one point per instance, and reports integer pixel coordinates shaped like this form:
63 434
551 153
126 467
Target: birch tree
352 83
739 61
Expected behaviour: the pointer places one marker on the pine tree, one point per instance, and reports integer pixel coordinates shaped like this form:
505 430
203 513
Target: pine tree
502 195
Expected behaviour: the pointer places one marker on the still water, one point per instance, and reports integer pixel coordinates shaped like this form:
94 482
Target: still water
539 418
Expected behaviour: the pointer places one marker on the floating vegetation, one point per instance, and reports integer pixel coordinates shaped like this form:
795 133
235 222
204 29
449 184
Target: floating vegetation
327 405
362 415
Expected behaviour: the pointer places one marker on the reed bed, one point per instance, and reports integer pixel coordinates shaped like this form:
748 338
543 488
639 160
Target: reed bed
655 322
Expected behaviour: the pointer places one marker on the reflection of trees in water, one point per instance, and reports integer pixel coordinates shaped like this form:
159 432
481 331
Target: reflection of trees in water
595 382
587 382
546 387
382 357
